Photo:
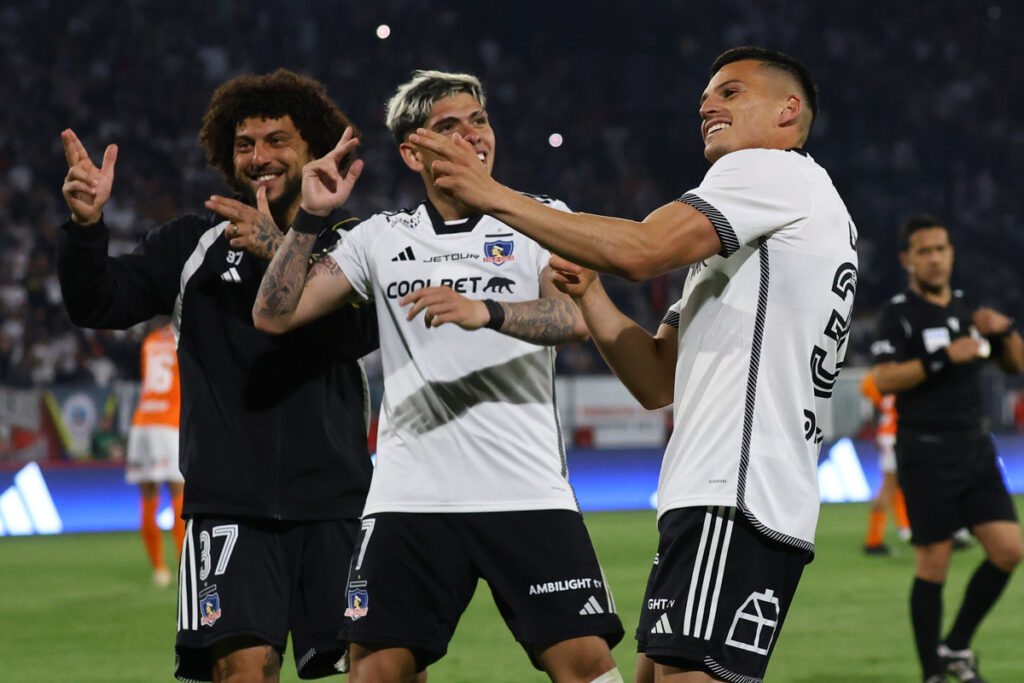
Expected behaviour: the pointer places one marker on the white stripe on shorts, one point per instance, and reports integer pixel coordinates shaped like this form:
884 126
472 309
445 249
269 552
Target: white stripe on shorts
715 541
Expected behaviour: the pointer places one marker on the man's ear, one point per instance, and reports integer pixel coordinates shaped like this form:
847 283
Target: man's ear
411 156
792 107
904 263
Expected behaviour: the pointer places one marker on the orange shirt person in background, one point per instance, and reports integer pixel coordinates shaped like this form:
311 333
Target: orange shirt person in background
153 442
889 495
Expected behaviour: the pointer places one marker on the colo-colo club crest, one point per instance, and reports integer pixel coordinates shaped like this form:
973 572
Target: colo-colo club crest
499 251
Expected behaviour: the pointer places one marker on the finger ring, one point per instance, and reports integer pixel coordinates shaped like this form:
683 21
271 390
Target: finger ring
236 230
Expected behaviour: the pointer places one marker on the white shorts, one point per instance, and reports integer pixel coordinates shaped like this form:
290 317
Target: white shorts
887 455
152 455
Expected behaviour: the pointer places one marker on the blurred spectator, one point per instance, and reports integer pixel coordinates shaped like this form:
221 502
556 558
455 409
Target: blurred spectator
913 118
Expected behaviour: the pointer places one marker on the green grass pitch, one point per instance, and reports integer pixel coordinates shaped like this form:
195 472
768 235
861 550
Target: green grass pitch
82 608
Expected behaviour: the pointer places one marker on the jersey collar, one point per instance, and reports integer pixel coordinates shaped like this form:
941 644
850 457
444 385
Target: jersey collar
441 228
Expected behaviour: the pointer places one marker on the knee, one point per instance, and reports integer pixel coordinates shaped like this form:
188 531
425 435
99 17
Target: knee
1008 558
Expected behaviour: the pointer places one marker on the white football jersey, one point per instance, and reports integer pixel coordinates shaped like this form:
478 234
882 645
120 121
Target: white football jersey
762 334
468 420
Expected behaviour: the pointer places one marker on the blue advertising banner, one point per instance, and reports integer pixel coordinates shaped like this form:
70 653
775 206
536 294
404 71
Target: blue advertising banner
68 499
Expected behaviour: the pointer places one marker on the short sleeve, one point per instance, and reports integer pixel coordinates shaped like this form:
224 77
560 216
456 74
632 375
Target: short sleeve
750 193
671 317
891 340
351 253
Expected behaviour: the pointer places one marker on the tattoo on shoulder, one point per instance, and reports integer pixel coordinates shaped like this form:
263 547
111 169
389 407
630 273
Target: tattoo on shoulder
324 266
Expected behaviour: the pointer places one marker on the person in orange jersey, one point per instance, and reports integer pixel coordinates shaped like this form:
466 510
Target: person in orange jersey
153 442
889 496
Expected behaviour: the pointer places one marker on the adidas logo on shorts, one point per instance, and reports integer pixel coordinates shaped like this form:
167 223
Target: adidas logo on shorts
592 606
661 625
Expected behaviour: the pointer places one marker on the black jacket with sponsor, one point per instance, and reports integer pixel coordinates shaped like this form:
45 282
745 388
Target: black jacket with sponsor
271 426
911 327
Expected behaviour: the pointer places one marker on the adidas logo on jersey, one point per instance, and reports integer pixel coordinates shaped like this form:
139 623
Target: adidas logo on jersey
661 625
592 606
405 255
230 275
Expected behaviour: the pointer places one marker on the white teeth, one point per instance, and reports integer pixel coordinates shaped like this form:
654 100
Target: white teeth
481 157
717 127
269 176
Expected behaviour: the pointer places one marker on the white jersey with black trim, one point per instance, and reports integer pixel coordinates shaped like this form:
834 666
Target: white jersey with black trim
762 334
468 420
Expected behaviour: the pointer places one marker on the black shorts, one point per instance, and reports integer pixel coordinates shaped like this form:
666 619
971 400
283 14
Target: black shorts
413 574
717 595
950 481
263 578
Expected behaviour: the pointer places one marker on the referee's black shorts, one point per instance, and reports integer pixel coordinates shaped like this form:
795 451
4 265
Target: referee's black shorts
950 481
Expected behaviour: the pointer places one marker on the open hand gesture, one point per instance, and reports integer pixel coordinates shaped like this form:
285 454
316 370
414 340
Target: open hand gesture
323 187
86 188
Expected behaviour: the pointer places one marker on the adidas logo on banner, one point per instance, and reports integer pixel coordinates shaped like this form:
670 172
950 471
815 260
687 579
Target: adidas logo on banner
27 507
405 255
230 275
592 606
661 625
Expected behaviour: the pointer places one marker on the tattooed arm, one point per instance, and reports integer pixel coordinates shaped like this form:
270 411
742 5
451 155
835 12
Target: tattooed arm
290 296
551 320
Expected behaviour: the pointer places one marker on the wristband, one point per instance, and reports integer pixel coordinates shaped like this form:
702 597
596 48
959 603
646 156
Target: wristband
497 314
307 223
1010 329
935 362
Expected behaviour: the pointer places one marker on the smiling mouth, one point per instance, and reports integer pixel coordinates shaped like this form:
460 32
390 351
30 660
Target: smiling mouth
716 128
266 177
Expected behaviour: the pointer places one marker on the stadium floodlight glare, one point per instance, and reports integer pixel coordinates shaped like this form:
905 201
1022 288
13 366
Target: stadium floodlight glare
555 140
383 31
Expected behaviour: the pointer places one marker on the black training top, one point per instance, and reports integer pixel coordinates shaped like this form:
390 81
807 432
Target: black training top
271 426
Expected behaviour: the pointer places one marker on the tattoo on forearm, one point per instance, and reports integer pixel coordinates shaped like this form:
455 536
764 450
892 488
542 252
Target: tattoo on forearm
542 321
285 278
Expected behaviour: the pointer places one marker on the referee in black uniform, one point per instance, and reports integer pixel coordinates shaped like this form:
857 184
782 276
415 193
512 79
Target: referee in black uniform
930 349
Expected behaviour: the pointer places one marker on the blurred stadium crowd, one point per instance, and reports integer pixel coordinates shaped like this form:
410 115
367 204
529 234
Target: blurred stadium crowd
921 111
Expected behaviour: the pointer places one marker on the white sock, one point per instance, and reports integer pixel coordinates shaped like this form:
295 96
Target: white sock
610 676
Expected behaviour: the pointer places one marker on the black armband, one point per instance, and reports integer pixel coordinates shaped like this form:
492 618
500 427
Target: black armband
935 362
307 223
1010 329
497 314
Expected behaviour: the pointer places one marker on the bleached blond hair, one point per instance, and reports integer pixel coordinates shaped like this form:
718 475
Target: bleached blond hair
412 102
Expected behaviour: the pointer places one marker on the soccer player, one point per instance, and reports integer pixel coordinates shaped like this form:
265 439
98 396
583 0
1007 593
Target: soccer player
749 355
471 478
273 428
930 349
153 443
889 496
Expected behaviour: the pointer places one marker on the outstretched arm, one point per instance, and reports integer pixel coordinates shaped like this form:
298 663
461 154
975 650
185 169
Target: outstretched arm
673 236
551 320
290 296
645 364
